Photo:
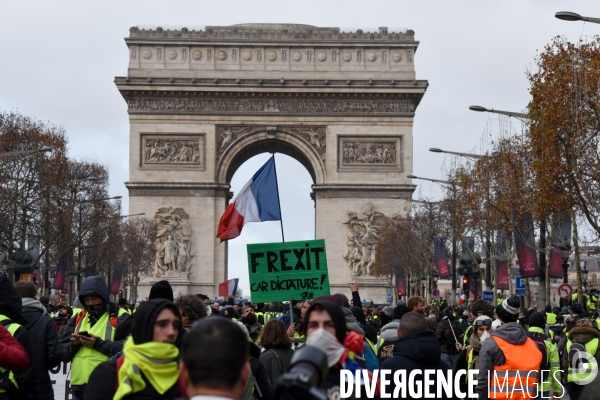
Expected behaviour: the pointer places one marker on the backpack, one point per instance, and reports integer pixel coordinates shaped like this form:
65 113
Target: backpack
252 391
449 336
577 356
540 343
120 364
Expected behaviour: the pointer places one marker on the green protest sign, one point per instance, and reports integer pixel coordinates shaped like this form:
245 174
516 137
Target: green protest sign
287 271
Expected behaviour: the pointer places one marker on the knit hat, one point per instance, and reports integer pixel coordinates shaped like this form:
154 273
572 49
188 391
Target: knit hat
161 290
576 308
508 311
538 320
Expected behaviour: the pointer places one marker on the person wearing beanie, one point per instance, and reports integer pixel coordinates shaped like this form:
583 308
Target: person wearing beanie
469 356
148 367
550 357
160 290
507 349
477 309
123 305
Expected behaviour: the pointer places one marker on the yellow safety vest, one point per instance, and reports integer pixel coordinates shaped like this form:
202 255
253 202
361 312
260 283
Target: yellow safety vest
592 301
87 359
550 318
499 301
11 328
590 347
372 345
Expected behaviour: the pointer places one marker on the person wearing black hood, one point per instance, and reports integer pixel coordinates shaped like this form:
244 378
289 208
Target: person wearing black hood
18 386
417 349
88 338
148 368
325 328
43 338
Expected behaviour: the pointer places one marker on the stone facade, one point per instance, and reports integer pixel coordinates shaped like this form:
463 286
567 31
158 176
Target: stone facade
201 102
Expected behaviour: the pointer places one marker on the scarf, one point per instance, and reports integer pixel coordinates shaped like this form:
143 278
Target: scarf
475 346
156 360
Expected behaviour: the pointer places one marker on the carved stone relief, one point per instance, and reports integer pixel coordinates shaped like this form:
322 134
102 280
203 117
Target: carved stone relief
314 136
374 153
172 150
243 106
172 243
364 226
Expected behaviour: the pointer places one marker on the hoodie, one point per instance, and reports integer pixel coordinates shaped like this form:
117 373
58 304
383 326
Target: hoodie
491 355
43 341
419 351
11 307
389 338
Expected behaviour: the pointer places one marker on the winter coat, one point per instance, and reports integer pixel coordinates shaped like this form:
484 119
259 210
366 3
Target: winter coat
94 285
440 330
259 372
12 355
272 367
10 306
103 382
491 355
419 351
43 340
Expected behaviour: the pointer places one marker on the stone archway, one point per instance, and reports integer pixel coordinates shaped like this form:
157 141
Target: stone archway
201 102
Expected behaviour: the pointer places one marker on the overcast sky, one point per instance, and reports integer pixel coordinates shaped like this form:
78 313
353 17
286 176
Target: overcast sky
59 59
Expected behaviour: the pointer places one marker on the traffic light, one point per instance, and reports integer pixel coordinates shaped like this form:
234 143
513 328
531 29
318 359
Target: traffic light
399 293
465 283
121 293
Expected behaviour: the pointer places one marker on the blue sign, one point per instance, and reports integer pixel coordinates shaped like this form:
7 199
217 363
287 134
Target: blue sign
520 284
521 292
389 297
488 295
435 293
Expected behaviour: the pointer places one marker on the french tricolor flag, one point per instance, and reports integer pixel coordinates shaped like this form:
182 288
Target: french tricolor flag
257 201
228 288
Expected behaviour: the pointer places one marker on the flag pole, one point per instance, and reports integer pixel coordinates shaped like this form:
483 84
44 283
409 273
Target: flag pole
278 199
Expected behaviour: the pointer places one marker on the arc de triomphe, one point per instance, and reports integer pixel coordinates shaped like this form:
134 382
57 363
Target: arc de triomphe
203 102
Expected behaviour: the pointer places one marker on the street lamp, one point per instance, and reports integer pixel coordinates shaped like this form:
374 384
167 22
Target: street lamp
571 16
79 235
584 274
24 152
520 116
468 155
131 215
443 182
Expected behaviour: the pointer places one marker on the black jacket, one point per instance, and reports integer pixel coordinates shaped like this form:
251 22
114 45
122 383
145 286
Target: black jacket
10 306
103 384
418 351
43 341
260 373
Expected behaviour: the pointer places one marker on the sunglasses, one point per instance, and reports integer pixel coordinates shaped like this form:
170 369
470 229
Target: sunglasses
484 322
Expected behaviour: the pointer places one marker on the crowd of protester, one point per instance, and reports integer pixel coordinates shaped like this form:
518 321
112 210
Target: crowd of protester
193 347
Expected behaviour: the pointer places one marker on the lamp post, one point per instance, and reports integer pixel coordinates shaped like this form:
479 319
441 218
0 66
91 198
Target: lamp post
80 244
131 215
571 16
488 266
453 188
520 116
24 152
584 274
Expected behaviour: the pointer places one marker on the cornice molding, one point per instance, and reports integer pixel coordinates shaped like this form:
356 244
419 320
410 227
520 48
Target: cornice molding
271 33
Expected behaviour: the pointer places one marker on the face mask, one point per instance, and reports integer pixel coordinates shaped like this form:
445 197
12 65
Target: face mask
328 344
484 336
96 311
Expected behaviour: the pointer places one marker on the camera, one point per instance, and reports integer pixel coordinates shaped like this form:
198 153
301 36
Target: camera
308 369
